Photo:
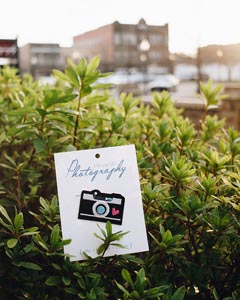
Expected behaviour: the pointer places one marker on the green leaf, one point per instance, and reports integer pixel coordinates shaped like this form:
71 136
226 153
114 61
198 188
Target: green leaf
141 280
2 137
82 68
56 266
60 75
71 290
167 236
109 228
98 237
7 166
22 111
101 249
102 86
44 203
73 76
127 277
118 245
43 245
102 231
162 230
121 287
135 295
27 233
12 243
215 294
93 64
85 91
179 293
53 280
66 280
154 292
71 148
5 214
94 100
134 259
64 242
9 227
54 96
39 145
42 112
18 221
30 265
55 237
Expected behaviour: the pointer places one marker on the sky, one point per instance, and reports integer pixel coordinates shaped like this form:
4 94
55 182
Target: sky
192 23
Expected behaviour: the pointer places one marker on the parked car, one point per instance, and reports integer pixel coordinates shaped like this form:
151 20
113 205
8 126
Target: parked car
164 82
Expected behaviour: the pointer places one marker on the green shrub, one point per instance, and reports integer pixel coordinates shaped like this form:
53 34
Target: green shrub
190 187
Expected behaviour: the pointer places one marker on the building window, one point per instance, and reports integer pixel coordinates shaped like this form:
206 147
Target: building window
118 55
129 38
156 39
155 55
117 39
126 38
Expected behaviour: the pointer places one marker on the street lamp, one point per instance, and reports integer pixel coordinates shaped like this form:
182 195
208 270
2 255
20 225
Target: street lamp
144 47
219 53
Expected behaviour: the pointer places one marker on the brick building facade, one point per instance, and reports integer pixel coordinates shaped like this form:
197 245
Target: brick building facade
119 45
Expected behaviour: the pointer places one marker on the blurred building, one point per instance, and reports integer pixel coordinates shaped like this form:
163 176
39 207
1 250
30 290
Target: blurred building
9 52
220 62
126 46
184 66
67 52
40 59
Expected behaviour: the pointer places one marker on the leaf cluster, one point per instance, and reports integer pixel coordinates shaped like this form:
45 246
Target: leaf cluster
189 180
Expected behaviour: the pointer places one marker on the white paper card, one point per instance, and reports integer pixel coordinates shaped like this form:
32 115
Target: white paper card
94 186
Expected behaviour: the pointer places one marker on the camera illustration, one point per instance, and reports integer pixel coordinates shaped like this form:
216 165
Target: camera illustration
102 207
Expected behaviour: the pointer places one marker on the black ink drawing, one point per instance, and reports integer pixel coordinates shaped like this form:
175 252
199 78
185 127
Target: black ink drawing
97 206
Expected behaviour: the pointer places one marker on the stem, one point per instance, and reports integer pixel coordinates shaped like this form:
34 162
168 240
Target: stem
106 247
191 237
42 124
206 196
204 115
107 139
177 187
31 156
77 119
232 161
18 190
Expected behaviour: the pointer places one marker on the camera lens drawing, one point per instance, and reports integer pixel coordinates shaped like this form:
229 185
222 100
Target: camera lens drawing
100 209
97 206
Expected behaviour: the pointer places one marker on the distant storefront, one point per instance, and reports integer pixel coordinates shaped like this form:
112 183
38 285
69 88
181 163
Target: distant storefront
9 52
220 62
40 59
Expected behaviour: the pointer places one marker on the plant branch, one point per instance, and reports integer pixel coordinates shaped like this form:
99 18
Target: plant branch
77 119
